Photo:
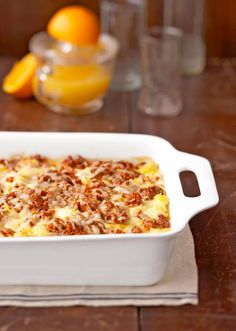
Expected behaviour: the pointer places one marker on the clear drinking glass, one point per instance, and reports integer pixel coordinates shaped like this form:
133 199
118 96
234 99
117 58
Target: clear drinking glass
161 72
126 21
188 16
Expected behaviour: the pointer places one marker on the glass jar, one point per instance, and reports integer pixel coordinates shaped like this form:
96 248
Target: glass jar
72 80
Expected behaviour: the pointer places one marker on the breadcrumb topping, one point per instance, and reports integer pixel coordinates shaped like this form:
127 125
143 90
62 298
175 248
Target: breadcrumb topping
40 196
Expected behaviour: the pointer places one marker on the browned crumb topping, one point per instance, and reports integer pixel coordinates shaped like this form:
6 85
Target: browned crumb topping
77 196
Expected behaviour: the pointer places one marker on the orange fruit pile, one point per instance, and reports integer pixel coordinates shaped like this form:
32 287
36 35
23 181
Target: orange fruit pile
75 24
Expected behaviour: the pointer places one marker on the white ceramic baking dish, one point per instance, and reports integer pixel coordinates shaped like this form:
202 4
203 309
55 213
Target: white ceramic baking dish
123 259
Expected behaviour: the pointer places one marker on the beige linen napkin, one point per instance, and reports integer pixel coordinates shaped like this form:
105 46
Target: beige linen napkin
179 286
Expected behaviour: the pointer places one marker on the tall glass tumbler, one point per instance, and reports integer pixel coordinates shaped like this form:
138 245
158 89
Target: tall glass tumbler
126 21
189 17
161 72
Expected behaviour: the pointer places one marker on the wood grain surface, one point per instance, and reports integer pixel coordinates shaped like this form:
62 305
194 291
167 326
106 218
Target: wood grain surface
19 20
68 319
207 127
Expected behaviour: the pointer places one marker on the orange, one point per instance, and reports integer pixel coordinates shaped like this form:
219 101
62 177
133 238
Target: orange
19 81
75 24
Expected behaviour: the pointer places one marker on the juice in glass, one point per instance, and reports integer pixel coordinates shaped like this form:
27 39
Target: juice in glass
75 81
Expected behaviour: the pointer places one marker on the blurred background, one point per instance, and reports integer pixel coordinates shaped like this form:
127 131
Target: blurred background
21 19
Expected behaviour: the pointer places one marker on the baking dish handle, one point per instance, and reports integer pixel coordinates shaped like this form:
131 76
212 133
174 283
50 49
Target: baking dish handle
203 171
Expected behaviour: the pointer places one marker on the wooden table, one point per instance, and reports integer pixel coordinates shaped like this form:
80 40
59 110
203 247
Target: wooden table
206 127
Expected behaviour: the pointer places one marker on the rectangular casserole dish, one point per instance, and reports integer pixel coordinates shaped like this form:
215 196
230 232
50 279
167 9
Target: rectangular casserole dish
114 259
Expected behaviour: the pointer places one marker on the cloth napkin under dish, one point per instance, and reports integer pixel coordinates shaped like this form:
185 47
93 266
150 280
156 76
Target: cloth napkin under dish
179 286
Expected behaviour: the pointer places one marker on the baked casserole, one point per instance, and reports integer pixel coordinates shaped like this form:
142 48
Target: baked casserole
40 196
